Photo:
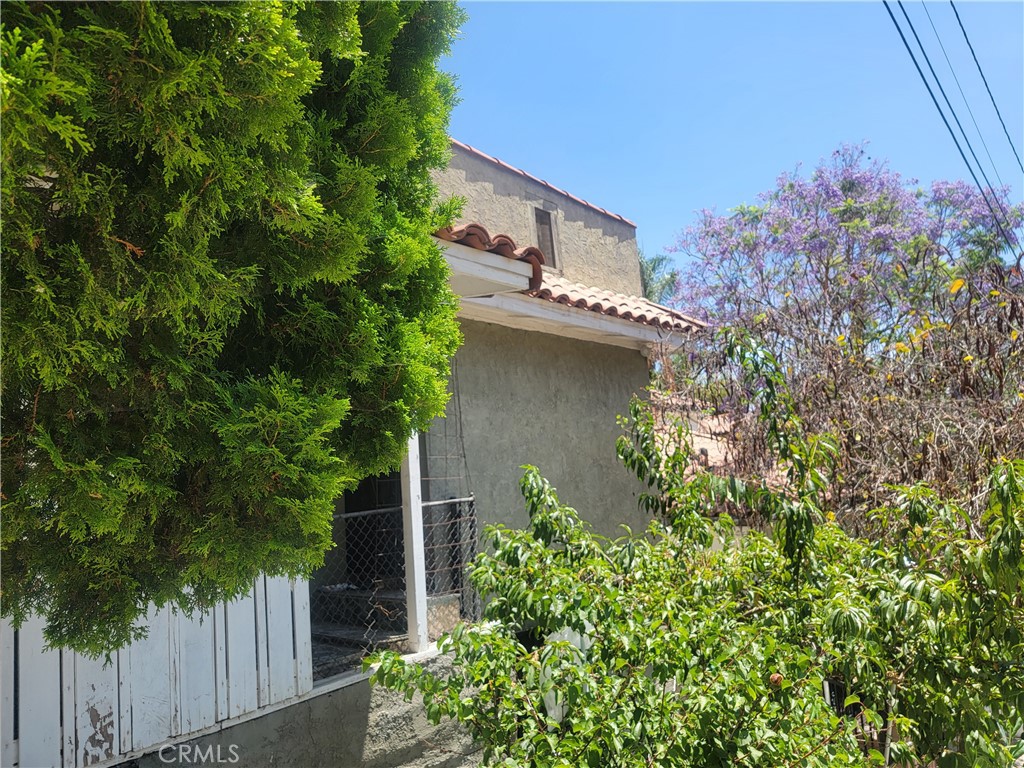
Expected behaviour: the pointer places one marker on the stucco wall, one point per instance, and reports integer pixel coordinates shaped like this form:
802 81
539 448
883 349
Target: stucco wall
590 247
533 398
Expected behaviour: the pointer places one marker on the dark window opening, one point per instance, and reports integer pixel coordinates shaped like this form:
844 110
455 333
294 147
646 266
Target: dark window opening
357 599
374 547
545 235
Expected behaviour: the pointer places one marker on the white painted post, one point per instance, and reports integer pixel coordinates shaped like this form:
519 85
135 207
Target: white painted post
415 561
303 638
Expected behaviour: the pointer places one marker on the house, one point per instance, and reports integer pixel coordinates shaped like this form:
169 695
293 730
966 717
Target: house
547 364
546 367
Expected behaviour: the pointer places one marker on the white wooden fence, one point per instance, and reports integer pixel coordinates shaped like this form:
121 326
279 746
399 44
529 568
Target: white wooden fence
64 710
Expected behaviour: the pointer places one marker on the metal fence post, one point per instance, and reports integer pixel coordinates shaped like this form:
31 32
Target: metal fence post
415 560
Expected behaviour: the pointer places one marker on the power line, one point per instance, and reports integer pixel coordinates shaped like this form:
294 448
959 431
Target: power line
949 128
967 104
980 72
945 98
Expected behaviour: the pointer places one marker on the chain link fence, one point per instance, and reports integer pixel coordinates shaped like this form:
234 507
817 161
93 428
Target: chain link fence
358 599
451 541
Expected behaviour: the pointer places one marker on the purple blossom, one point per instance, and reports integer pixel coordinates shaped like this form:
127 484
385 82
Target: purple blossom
846 235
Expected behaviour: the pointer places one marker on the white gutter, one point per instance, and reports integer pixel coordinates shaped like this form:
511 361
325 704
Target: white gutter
479 273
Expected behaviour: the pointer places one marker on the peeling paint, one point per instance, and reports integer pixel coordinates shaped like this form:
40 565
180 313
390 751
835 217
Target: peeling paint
100 744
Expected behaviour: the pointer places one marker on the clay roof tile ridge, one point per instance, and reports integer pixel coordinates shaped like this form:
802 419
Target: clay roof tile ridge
551 287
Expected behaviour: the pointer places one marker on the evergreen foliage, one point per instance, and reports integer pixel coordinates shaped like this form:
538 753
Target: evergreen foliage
221 302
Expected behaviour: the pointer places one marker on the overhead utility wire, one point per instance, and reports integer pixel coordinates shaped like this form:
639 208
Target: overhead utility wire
980 72
967 104
949 128
945 98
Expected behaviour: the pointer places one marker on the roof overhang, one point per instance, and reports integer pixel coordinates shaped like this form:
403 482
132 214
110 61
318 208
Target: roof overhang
479 273
530 313
493 289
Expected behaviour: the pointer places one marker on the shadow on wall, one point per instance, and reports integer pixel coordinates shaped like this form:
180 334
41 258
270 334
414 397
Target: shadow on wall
505 184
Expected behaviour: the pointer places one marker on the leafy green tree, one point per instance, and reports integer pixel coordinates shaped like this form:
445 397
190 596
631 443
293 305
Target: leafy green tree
692 646
222 305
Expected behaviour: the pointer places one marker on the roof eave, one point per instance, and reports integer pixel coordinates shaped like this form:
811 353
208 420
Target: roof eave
530 313
479 273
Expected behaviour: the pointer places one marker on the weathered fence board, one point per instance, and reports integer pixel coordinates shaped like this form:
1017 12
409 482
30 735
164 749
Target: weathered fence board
303 641
124 700
280 640
262 663
197 672
97 713
8 746
39 732
187 674
149 674
220 654
242 678
67 706
175 664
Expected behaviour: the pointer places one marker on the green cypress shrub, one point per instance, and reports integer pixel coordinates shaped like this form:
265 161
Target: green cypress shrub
221 303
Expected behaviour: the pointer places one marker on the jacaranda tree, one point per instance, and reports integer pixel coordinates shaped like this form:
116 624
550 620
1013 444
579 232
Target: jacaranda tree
221 302
897 313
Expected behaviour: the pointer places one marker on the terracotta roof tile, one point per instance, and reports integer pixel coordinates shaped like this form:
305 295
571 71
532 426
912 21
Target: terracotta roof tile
549 287
639 310
552 187
476 236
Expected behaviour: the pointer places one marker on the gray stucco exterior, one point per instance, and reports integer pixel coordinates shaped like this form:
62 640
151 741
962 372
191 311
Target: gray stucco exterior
591 247
534 398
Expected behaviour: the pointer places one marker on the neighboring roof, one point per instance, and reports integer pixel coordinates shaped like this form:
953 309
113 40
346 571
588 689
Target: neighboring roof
552 187
476 236
611 304
548 287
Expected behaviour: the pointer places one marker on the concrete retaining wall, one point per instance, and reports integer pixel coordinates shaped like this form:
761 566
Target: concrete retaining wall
355 726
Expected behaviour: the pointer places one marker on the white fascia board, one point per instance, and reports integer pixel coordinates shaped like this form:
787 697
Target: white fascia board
479 273
533 314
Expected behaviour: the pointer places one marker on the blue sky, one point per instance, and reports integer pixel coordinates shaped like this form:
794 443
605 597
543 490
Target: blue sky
656 110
